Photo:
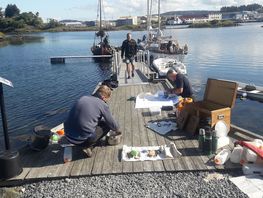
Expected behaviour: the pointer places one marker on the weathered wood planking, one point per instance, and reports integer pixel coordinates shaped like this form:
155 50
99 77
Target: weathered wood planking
107 160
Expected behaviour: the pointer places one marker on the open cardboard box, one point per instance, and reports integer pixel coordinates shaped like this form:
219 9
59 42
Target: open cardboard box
219 99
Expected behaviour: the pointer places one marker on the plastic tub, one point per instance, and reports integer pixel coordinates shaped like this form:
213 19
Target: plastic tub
155 111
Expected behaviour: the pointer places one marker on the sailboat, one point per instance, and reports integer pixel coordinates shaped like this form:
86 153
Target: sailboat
156 41
102 47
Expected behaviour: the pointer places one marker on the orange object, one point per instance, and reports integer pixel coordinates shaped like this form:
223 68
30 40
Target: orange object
61 132
188 100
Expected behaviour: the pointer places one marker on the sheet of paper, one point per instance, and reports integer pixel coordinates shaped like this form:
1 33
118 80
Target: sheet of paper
252 185
148 100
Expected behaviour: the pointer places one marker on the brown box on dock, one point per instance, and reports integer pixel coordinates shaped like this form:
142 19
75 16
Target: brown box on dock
219 99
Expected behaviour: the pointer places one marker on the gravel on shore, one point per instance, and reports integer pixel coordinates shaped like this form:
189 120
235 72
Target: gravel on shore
180 184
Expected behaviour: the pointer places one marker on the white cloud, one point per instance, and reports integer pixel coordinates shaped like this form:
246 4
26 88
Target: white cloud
116 8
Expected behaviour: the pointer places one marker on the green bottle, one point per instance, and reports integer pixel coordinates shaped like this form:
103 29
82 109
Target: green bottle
214 141
201 139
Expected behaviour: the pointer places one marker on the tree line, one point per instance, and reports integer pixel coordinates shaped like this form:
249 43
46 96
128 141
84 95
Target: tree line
11 19
250 7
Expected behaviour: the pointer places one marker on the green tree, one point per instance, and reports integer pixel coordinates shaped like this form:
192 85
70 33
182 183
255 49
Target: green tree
30 19
11 11
1 13
53 23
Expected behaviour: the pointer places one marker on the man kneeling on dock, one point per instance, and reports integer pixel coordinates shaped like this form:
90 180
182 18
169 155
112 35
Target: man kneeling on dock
183 86
90 120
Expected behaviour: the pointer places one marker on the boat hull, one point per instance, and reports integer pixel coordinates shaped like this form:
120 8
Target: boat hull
162 65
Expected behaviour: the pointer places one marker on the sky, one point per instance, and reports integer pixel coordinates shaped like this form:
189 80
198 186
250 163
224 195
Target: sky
113 9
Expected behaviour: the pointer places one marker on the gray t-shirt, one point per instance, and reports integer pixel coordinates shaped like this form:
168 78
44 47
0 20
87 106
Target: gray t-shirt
84 117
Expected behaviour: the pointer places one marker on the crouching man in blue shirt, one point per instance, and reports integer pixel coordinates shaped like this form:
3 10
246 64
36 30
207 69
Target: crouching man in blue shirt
90 120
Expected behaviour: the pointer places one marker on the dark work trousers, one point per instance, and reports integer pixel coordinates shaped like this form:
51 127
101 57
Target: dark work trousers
101 130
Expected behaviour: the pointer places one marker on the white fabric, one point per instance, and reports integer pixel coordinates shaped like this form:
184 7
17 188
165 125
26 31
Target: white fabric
169 152
252 185
162 127
148 100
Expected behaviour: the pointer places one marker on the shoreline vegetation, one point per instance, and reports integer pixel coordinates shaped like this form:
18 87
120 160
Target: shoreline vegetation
214 24
19 36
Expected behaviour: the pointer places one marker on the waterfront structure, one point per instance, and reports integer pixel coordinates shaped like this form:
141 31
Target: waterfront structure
126 20
215 16
73 24
194 19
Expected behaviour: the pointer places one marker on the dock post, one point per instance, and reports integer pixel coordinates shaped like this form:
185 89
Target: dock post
57 60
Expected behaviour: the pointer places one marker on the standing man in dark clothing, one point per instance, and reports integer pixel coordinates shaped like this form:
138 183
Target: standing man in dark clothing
90 119
129 48
182 85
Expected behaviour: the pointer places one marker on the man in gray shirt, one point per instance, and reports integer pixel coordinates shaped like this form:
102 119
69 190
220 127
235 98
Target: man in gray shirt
90 119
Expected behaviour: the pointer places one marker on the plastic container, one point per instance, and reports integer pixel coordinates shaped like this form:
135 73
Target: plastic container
251 169
67 154
41 136
222 156
236 154
155 111
223 141
249 156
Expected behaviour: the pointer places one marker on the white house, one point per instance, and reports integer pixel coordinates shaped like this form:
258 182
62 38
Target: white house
74 24
215 16
174 21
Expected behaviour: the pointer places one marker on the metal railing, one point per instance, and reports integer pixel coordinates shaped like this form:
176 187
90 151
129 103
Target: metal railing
142 63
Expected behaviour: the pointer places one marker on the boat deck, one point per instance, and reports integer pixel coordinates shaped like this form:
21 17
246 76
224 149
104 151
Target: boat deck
48 164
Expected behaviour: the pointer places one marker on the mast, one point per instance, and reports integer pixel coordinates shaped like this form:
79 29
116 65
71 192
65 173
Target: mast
148 16
159 16
100 20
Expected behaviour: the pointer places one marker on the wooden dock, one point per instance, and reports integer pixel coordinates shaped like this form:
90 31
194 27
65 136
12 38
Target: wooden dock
48 164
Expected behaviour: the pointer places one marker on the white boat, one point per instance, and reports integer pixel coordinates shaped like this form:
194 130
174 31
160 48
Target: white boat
250 91
162 65
155 40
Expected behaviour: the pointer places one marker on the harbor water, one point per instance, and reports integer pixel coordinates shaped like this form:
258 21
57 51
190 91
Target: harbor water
43 93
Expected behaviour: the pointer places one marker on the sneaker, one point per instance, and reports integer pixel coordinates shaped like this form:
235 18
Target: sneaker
128 77
88 152
132 74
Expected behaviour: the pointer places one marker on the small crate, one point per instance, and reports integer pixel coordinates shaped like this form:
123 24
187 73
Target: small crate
219 99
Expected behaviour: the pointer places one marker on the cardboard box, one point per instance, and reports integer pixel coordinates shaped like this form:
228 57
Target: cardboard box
219 99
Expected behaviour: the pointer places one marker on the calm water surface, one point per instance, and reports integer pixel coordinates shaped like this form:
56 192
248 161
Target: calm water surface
43 92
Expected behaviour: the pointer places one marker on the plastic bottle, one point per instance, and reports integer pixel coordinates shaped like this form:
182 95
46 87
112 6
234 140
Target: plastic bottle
236 154
222 156
201 139
214 142
67 154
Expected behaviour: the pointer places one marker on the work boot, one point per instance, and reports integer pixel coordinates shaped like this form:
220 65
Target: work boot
88 151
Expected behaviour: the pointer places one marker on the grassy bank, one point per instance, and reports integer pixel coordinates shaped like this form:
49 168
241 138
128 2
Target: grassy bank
214 24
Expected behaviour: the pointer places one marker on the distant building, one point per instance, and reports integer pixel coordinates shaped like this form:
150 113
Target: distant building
90 23
193 19
215 16
73 24
126 21
174 21
141 20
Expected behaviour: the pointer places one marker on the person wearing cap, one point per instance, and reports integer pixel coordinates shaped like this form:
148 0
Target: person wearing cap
182 85
90 119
